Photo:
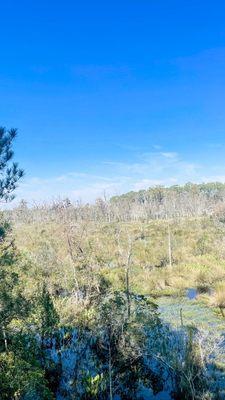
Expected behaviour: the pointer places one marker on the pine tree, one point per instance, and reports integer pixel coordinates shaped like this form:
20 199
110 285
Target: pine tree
10 174
21 375
48 316
12 303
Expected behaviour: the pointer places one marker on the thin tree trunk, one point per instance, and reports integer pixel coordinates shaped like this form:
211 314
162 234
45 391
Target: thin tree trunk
128 292
169 246
127 266
127 276
181 317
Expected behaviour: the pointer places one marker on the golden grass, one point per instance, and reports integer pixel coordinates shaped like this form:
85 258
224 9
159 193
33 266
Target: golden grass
218 297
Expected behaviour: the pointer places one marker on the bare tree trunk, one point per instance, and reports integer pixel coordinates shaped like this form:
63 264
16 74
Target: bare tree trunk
128 292
126 262
127 276
169 246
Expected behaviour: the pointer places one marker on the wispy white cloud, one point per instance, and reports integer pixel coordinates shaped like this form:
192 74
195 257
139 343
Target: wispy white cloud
157 147
75 185
146 183
156 165
113 178
172 155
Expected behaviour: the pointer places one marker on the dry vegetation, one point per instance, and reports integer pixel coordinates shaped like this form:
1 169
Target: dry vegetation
158 242
80 286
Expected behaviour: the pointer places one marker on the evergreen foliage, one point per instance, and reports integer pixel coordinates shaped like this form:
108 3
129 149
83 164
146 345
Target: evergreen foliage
21 374
77 283
9 174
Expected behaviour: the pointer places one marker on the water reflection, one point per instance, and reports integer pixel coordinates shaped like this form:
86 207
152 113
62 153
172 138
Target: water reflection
192 293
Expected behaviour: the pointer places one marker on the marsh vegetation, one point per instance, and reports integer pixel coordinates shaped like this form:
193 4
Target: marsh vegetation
121 299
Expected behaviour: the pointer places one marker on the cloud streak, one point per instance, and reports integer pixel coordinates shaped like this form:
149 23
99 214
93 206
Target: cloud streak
114 178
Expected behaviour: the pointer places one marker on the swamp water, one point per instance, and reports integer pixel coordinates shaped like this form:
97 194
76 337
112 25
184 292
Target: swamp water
193 312
74 354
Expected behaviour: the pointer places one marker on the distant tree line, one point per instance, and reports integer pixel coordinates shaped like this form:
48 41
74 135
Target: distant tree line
190 200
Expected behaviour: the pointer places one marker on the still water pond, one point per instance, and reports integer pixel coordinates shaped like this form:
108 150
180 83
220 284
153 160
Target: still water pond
193 312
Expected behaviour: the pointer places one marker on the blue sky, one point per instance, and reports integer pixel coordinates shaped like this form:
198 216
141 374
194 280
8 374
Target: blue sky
111 96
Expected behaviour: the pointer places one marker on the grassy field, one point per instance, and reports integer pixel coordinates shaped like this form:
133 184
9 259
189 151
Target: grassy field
62 252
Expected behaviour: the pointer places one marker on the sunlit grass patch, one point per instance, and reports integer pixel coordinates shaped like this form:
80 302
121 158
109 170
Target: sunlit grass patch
218 297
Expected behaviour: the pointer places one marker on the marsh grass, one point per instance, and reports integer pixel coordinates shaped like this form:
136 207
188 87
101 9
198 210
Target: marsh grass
218 297
198 257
